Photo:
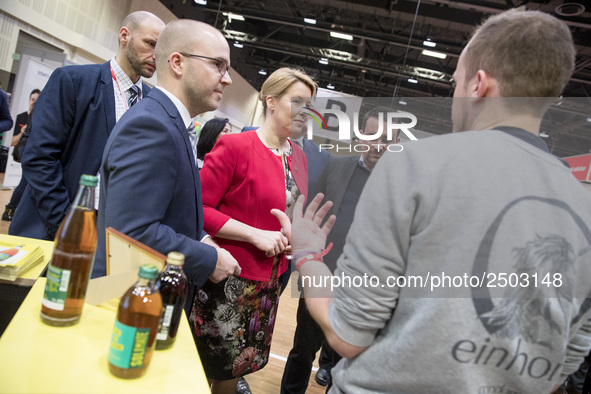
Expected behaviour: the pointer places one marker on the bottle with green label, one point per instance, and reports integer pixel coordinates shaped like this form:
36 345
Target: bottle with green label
173 286
136 326
69 270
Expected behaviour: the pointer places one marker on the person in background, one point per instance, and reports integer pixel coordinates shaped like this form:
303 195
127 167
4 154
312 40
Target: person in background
245 176
428 212
212 130
74 116
21 128
22 119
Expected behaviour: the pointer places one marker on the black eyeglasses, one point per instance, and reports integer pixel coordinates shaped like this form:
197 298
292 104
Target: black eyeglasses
221 64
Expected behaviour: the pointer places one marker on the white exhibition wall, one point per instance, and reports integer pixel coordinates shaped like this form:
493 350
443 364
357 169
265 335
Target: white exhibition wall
87 33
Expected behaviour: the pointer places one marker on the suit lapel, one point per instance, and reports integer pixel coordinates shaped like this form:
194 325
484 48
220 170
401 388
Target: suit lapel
108 96
181 128
145 90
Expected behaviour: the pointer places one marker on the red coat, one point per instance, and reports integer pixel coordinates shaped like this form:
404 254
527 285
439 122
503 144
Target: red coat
242 179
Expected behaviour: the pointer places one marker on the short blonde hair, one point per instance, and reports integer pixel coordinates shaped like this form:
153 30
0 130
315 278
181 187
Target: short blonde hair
280 81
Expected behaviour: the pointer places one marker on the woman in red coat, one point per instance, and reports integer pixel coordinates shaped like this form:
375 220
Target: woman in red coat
243 178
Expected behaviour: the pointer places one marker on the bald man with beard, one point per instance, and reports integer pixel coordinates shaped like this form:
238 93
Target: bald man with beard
73 118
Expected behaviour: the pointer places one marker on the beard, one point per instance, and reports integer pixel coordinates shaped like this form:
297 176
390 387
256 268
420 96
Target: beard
198 93
137 65
199 99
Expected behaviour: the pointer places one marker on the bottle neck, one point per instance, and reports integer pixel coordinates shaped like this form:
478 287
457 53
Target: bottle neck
144 282
174 267
84 197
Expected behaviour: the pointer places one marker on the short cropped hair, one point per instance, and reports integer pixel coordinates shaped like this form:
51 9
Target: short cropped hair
173 39
134 20
529 53
280 81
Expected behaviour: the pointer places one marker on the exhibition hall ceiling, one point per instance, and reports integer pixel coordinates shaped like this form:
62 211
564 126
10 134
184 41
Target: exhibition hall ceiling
380 48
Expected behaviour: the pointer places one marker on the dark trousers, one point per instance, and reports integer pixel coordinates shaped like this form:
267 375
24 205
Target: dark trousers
17 194
307 340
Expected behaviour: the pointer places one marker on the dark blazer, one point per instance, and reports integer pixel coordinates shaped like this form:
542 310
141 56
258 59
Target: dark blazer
150 187
335 178
72 120
317 160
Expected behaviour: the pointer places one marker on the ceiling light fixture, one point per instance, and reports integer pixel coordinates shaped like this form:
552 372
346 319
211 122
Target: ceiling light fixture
341 35
233 17
201 2
262 72
438 55
238 44
401 102
412 80
323 60
429 43
311 21
544 135
330 86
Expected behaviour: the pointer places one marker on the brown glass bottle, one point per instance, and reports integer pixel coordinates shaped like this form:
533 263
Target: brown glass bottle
69 271
134 335
173 286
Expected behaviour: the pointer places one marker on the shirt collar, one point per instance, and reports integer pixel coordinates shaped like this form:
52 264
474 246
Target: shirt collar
362 164
525 136
179 106
300 141
530 138
123 79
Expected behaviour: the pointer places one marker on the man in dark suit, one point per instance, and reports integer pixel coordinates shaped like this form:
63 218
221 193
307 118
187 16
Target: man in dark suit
73 118
341 182
151 188
317 158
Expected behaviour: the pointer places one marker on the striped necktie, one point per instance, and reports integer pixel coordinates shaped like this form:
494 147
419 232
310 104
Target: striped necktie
133 95
193 138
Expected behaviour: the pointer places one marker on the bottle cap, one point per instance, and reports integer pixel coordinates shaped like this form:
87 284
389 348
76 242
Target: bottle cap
175 258
88 180
148 271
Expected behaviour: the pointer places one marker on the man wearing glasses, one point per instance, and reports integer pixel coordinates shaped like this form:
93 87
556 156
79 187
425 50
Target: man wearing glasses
151 189
73 118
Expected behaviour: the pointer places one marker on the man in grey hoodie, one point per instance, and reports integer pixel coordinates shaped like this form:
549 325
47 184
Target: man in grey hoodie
467 266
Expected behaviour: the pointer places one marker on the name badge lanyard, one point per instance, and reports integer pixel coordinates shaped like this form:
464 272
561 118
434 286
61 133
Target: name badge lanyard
120 91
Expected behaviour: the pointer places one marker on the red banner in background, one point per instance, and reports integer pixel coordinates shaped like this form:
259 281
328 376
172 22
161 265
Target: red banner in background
580 166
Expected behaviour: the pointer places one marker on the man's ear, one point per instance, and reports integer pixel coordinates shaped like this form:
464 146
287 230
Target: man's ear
481 84
124 35
176 63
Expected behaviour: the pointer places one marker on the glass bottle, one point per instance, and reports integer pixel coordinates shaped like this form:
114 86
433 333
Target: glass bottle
73 254
173 286
134 335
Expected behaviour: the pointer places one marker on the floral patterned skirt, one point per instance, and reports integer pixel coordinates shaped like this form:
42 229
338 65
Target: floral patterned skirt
232 324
